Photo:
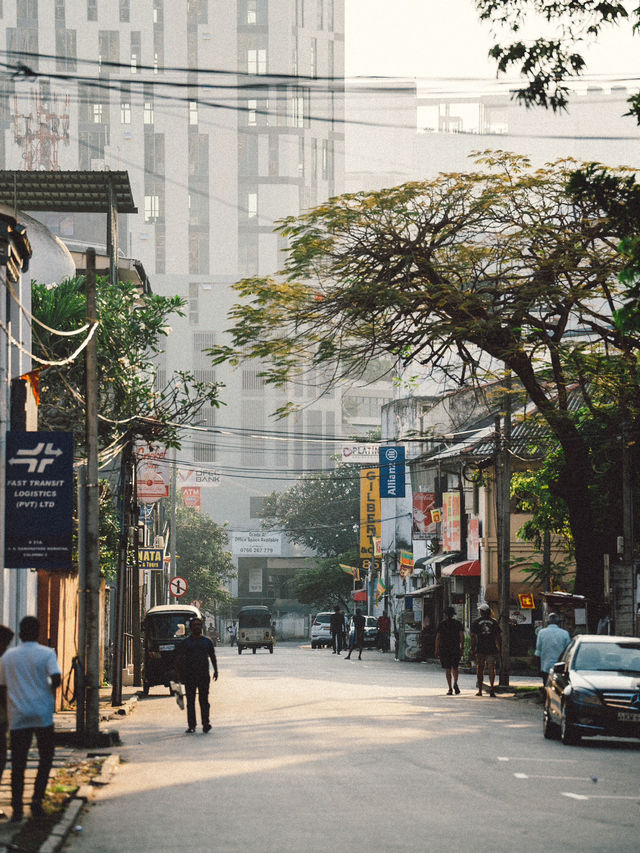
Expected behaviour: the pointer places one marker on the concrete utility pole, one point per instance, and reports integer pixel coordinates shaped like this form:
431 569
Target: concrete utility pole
92 521
503 535
121 580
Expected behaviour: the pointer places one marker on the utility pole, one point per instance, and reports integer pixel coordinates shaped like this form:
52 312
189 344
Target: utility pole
92 522
503 533
125 511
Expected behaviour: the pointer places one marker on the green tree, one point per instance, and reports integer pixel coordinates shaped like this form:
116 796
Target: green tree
131 329
467 274
547 62
203 558
324 585
321 511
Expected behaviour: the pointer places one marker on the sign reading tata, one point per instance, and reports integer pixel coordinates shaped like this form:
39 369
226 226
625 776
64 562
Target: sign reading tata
392 472
39 500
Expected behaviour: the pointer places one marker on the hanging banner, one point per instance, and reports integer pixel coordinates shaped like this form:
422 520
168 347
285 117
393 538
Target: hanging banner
39 500
392 472
451 529
423 522
370 517
152 467
473 539
406 563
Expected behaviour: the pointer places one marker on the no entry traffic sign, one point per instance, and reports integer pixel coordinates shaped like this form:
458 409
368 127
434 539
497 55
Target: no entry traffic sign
178 587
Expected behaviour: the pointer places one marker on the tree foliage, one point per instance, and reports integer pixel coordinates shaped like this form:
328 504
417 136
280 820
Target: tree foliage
203 558
321 511
324 585
549 61
467 274
132 327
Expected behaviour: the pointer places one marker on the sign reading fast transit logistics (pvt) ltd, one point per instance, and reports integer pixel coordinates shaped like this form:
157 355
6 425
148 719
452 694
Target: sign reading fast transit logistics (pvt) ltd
39 500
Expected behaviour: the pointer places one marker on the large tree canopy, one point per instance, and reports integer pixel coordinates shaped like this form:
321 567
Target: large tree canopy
548 61
204 558
321 511
470 273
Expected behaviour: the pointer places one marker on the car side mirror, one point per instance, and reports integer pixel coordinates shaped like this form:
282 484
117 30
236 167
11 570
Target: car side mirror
560 668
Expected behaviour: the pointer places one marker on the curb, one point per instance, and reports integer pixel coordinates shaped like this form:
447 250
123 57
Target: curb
68 821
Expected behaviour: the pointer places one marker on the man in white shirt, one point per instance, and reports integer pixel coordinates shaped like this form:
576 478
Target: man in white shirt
551 642
30 674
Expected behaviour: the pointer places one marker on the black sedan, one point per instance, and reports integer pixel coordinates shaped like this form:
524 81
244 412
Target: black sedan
594 689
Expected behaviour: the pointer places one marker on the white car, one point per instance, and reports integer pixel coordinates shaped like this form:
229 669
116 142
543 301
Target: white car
321 630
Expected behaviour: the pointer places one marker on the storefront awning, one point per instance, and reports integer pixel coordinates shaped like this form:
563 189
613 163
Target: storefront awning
359 595
433 561
424 590
465 569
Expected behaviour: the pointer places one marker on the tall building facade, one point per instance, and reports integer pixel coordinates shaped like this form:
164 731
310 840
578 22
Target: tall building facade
227 115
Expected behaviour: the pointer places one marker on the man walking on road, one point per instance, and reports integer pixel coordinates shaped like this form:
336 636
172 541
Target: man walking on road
486 647
551 642
450 647
336 626
193 667
31 675
384 632
358 635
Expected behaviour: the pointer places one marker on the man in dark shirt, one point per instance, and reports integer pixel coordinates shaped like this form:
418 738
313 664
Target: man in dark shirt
193 667
486 647
450 647
358 635
336 626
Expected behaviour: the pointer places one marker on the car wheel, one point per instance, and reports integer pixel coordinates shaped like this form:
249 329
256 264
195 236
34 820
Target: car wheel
313 645
568 733
549 729
271 649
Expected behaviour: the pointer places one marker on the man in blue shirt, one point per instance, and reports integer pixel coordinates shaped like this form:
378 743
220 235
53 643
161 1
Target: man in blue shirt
551 642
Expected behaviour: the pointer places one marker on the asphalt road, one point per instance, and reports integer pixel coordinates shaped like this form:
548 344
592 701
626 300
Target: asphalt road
310 753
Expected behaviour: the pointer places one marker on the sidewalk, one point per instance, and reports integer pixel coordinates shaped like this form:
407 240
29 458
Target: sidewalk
44 835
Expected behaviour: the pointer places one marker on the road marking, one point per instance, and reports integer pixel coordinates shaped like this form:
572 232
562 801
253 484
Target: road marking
540 776
573 796
530 758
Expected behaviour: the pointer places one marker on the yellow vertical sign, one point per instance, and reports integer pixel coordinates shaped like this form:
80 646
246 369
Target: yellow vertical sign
370 514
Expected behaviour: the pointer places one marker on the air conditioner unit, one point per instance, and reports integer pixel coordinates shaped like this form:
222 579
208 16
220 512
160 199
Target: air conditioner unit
158 542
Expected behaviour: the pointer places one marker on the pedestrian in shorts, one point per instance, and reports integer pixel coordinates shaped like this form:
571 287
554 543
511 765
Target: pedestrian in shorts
450 648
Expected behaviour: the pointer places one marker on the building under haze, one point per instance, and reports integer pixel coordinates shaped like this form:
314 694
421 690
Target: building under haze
227 115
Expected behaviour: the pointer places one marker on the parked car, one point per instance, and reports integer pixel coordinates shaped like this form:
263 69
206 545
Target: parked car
594 689
321 630
370 631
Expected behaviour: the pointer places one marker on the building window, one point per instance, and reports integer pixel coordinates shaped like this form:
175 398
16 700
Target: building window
96 113
301 156
320 14
151 208
136 52
92 10
194 293
125 11
325 160
297 108
299 13
314 159
125 105
252 205
193 112
148 112
252 117
252 12
109 47
257 61
331 14
314 57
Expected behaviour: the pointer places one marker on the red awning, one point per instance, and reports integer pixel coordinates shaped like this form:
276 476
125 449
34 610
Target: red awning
466 569
359 595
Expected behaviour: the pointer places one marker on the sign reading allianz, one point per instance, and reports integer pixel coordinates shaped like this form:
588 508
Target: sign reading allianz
392 472
256 543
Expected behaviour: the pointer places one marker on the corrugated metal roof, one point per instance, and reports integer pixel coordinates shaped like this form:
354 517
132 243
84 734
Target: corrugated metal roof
66 191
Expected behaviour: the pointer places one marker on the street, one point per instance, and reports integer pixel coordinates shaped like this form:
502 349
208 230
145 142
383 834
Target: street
310 752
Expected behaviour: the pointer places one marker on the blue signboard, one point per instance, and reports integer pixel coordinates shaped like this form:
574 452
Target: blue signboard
39 500
392 472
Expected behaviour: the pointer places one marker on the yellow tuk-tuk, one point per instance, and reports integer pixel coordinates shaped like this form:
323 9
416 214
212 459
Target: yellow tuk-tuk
165 628
254 629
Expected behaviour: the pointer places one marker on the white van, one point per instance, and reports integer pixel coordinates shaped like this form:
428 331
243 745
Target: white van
321 630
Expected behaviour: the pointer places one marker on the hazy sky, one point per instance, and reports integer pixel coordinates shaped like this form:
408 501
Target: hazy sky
444 38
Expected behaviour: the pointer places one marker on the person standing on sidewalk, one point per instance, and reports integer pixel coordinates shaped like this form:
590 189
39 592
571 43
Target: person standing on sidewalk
31 675
550 644
486 647
6 635
384 632
450 647
358 635
336 626
193 668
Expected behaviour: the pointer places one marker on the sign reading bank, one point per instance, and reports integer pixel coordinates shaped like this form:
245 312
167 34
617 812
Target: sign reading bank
392 472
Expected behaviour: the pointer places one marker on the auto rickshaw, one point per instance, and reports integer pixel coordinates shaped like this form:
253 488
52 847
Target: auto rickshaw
254 629
165 628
